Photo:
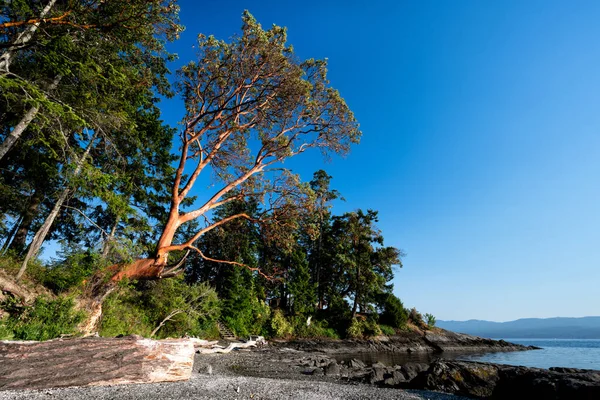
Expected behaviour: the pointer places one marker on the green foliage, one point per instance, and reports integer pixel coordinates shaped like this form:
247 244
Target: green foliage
280 326
430 320
355 330
362 328
70 272
316 328
301 288
394 314
387 330
45 319
416 318
140 308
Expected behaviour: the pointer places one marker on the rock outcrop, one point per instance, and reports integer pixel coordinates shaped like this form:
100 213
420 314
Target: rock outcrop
430 341
495 381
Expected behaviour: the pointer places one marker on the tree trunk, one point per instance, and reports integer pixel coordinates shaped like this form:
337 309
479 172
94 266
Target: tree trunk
168 233
108 242
93 362
40 235
22 39
357 291
18 242
11 234
18 130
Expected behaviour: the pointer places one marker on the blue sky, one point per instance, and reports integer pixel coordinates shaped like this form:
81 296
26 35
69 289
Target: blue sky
480 147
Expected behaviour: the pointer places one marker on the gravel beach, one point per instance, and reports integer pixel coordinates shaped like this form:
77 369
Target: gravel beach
227 381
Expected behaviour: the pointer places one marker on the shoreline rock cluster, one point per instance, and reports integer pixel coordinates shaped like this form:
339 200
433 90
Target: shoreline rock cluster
463 378
433 341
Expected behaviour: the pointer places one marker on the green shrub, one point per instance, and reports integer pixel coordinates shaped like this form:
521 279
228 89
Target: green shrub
280 327
141 307
316 329
387 330
370 328
45 319
394 314
416 318
355 330
430 319
209 330
69 272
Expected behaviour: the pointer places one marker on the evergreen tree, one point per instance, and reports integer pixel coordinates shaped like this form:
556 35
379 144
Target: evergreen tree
302 289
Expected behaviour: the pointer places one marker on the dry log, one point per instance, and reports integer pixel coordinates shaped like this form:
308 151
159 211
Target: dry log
219 349
8 284
94 361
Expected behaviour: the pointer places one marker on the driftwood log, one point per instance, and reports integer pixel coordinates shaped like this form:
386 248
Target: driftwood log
94 361
232 346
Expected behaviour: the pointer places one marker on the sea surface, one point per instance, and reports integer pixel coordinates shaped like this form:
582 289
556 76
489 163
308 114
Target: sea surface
572 353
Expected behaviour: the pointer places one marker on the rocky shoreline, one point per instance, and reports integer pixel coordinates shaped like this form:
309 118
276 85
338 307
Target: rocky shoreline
337 369
431 341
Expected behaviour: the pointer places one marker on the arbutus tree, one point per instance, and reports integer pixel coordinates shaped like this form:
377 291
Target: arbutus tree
250 104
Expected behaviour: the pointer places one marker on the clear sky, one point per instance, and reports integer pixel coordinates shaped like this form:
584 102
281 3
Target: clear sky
481 146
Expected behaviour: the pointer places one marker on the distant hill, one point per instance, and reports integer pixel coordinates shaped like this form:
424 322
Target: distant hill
529 328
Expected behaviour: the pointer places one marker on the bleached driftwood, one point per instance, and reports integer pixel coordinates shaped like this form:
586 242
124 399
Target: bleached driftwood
228 349
94 361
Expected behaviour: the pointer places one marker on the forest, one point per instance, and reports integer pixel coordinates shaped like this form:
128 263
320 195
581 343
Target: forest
166 231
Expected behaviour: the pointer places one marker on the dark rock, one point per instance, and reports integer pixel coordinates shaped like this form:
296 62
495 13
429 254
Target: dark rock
411 370
396 378
495 381
311 371
377 375
354 363
332 369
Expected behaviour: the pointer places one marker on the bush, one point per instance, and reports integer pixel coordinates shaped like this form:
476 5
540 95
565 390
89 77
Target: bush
394 314
140 309
430 319
280 326
45 319
355 329
360 329
316 329
416 318
68 273
387 330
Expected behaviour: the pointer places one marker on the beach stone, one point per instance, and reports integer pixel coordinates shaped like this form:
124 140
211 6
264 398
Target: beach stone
377 365
332 369
377 375
411 370
354 363
396 378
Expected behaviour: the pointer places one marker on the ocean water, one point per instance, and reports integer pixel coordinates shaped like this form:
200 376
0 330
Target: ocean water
572 353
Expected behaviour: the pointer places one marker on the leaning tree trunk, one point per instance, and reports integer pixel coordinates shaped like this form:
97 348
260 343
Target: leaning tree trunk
22 39
99 287
40 235
10 235
106 247
18 130
20 237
